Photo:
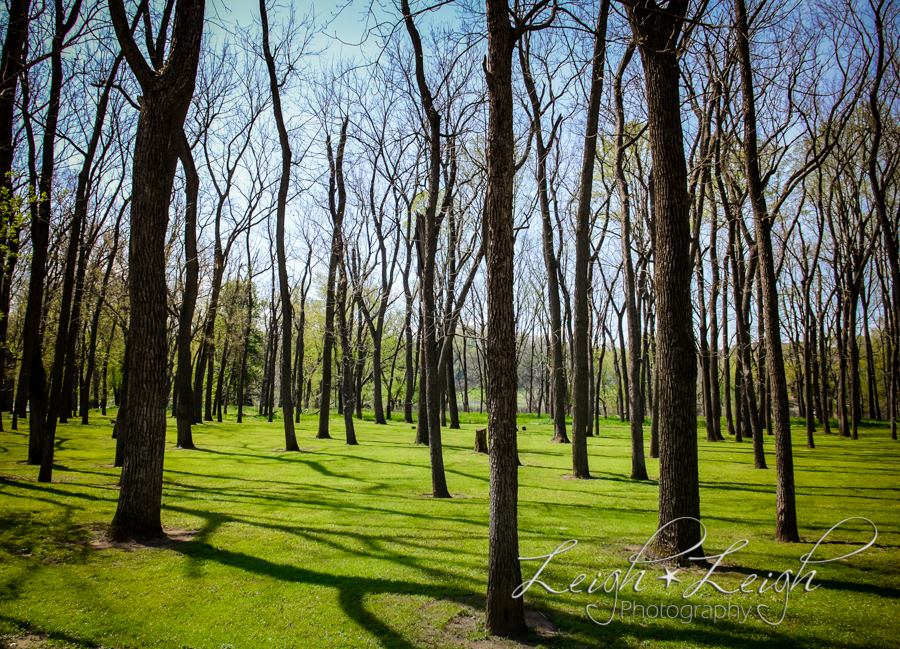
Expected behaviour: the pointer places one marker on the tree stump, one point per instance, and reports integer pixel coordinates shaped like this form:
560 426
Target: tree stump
481 445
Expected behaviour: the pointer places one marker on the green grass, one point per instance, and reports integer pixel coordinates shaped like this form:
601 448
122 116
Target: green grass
340 546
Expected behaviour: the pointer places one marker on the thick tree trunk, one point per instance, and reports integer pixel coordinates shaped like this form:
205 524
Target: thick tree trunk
166 96
505 614
11 63
679 491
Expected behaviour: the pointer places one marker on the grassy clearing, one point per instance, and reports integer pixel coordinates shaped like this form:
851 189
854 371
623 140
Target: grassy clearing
339 546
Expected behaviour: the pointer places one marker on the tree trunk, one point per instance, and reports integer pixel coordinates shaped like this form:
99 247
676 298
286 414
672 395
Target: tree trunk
410 369
90 371
287 330
714 320
336 207
580 332
636 406
785 506
422 436
220 388
557 366
679 491
429 226
242 378
505 614
808 352
184 407
11 64
166 97
888 229
32 373
348 395
451 397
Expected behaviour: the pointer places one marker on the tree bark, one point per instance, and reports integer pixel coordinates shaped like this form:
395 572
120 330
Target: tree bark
557 364
888 229
430 223
184 407
337 201
11 64
166 96
287 330
679 490
636 406
505 614
785 505
32 373
580 333
242 379
348 393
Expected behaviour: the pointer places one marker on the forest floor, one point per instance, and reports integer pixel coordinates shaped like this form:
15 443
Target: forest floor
340 546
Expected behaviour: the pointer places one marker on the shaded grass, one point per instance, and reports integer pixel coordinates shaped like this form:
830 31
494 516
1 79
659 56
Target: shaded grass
339 546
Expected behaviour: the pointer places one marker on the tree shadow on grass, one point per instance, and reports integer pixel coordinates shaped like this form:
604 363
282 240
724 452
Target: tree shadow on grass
351 590
625 634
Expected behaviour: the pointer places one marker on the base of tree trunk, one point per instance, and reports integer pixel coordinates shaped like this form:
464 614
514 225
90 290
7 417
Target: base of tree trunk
124 531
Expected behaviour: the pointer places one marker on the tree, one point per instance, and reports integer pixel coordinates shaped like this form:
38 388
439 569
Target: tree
290 438
636 406
505 614
32 373
889 231
657 33
11 63
337 205
65 336
785 507
580 331
542 149
429 225
167 94
184 407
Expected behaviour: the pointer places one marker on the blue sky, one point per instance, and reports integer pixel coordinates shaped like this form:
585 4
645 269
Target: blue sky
345 23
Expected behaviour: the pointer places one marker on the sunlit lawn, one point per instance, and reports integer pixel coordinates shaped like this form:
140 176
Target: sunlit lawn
341 546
